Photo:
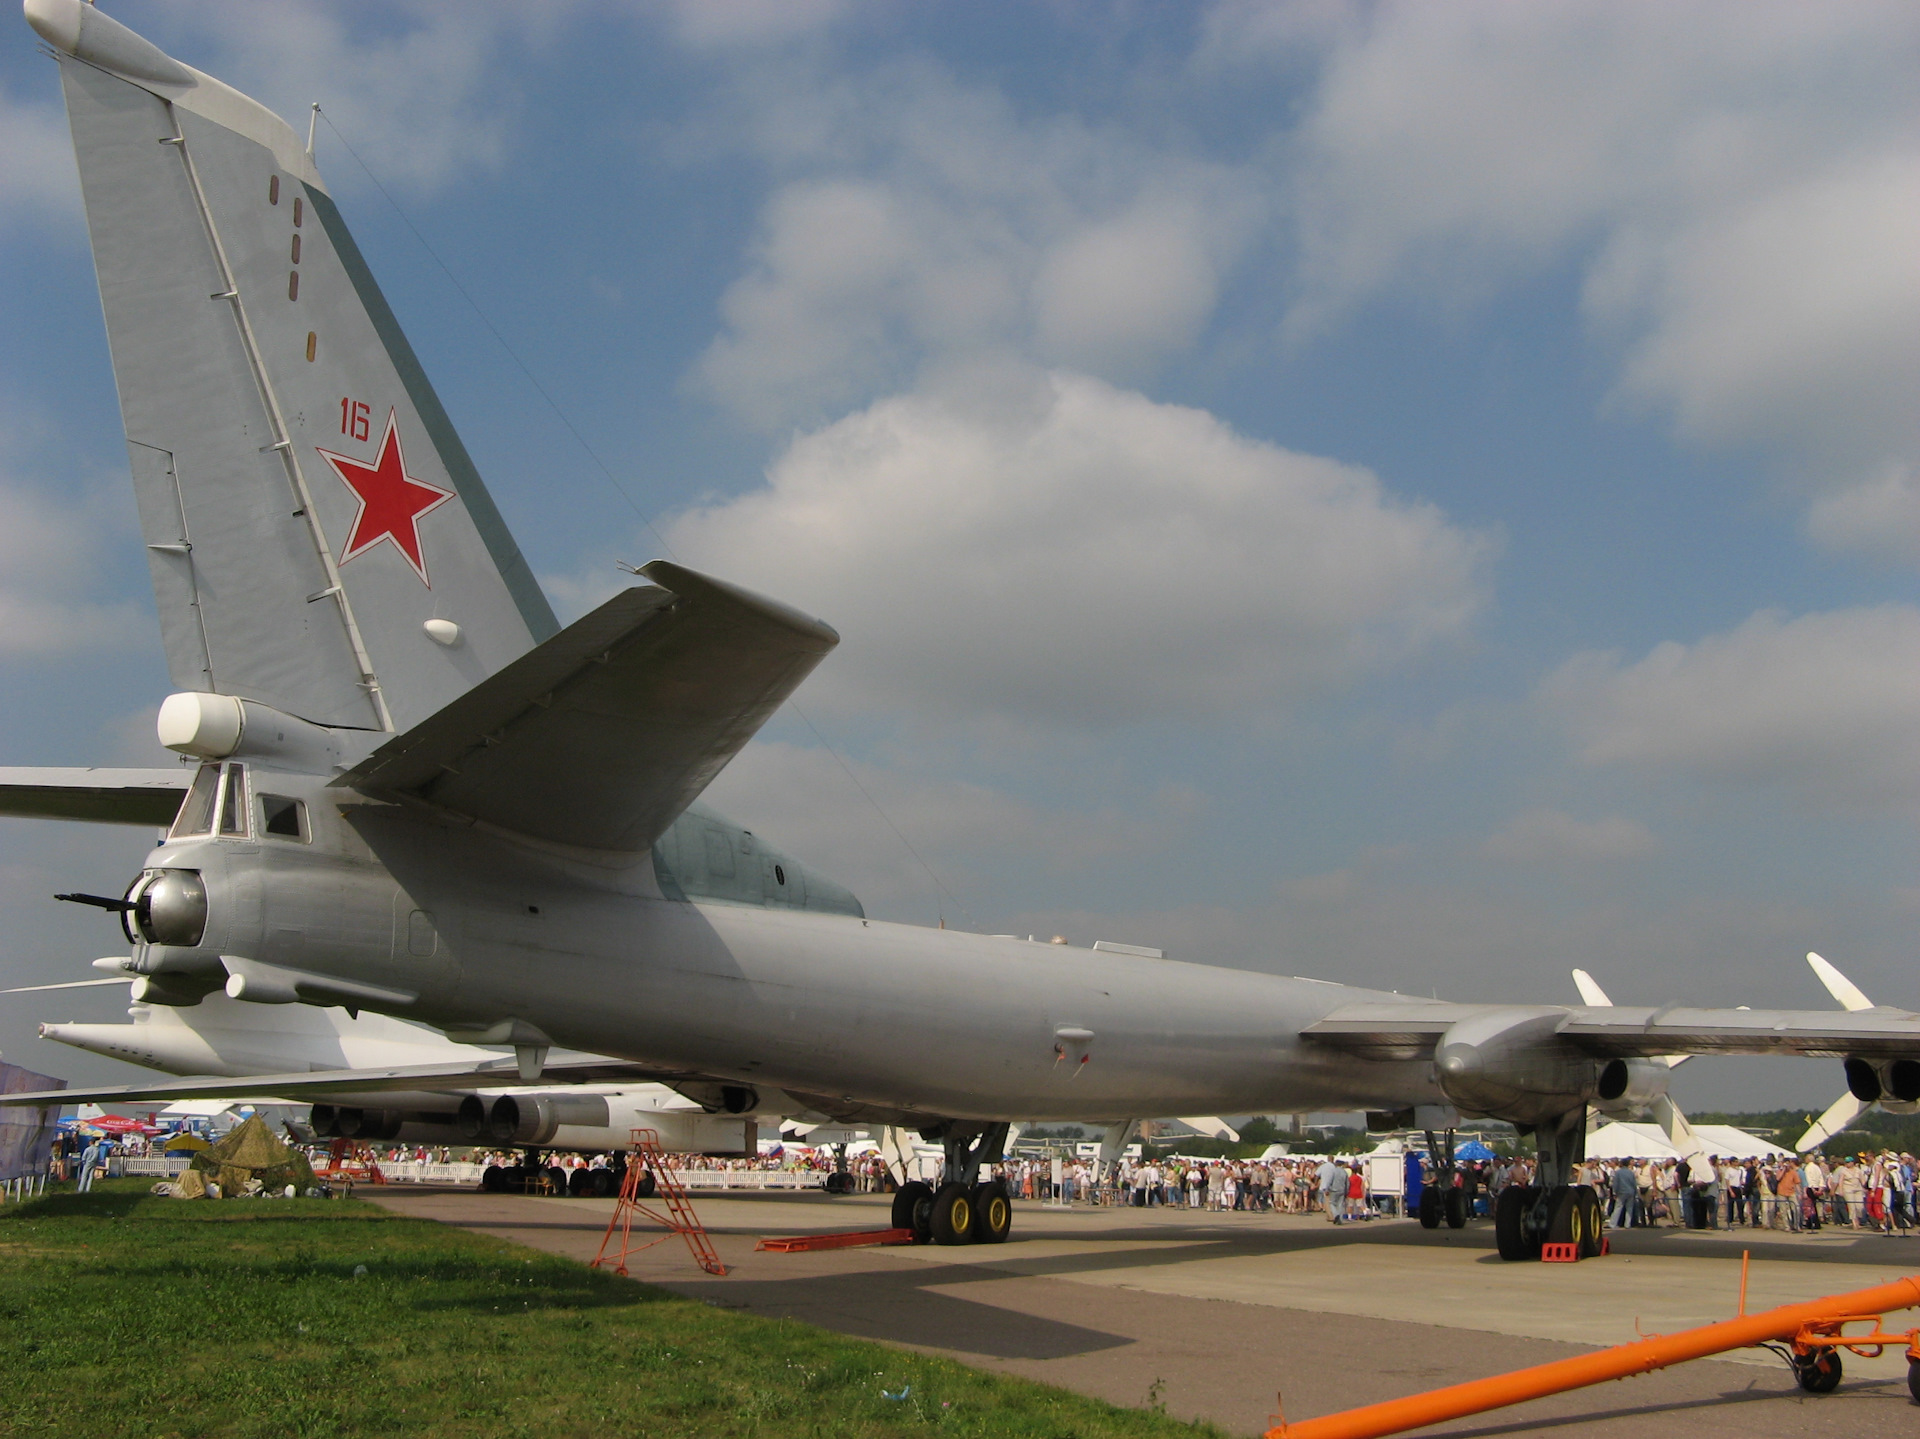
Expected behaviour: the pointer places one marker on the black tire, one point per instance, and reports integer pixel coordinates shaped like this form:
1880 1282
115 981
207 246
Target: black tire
909 1200
1509 1214
1596 1221
1819 1372
602 1183
1913 1380
1455 1208
992 1212
494 1180
513 1179
1569 1222
839 1184
580 1183
952 1217
1430 1208
647 1187
559 1180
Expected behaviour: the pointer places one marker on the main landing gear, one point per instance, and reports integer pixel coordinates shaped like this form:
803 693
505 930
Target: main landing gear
1529 1217
963 1208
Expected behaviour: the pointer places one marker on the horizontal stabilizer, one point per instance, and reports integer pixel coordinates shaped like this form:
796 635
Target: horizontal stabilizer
305 1086
602 735
105 796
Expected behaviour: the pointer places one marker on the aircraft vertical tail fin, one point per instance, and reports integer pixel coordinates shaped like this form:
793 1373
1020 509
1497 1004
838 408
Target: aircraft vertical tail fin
319 539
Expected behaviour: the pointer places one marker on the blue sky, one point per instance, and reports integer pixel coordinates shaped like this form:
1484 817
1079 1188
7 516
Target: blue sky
1411 494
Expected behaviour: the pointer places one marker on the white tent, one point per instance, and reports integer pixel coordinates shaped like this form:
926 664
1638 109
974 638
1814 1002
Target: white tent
1649 1141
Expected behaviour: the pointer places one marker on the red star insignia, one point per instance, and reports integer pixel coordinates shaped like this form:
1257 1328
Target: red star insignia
391 501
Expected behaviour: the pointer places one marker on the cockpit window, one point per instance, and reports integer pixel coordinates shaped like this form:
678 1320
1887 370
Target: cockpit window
233 802
283 817
196 812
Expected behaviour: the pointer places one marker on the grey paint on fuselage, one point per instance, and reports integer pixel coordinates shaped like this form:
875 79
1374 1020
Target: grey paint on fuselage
866 1016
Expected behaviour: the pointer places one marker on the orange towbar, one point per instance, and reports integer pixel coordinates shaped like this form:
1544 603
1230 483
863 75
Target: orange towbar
1814 1329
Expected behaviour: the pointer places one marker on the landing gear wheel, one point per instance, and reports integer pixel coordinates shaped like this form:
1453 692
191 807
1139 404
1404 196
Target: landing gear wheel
913 1208
1456 1208
1595 1221
1819 1372
494 1180
557 1180
992 1212
513 1179
602 1183
580 1183
1569 1223
1509 1216
839 1183
1429 1208
647 1187
952 1217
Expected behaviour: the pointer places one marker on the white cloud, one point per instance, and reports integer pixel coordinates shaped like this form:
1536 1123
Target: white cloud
37 175
1829 703
714 24
1879 516
1045 546
420 92
1553 837
1739 185
917 219
840 816
46 553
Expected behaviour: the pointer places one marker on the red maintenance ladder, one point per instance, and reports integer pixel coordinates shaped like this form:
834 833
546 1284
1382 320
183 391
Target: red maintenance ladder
648 1158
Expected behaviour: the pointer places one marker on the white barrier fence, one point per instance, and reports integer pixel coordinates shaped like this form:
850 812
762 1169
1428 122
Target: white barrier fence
20 1190
159 1166
408 1171
411 1171
751 1178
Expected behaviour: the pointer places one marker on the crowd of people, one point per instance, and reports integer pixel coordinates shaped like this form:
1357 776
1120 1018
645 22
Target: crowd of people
1862 1191
1281 1186
1874 1191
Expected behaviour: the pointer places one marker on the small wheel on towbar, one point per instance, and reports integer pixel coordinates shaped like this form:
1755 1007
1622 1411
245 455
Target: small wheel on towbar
1913 1379
1455 1208
912 1209
1430 1204
952 1217
1819 1372
992 1212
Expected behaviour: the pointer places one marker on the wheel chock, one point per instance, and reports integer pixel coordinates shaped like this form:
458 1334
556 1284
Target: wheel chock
1559 1253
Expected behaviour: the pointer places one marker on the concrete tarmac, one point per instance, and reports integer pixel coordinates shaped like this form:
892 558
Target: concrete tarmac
1212 1314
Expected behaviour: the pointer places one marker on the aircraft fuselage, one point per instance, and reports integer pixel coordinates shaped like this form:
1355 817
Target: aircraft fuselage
469 930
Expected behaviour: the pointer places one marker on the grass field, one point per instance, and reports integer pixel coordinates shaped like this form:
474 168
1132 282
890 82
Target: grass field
126 1315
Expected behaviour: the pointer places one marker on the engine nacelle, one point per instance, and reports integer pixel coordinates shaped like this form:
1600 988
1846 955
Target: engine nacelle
526 1118
1894 1079
1630 1086
1516 1068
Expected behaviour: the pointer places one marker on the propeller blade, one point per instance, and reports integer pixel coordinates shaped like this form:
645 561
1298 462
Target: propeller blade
70 984
1211 1127
1845 992
1594 997
1679 1133
1591 994
1842 1112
